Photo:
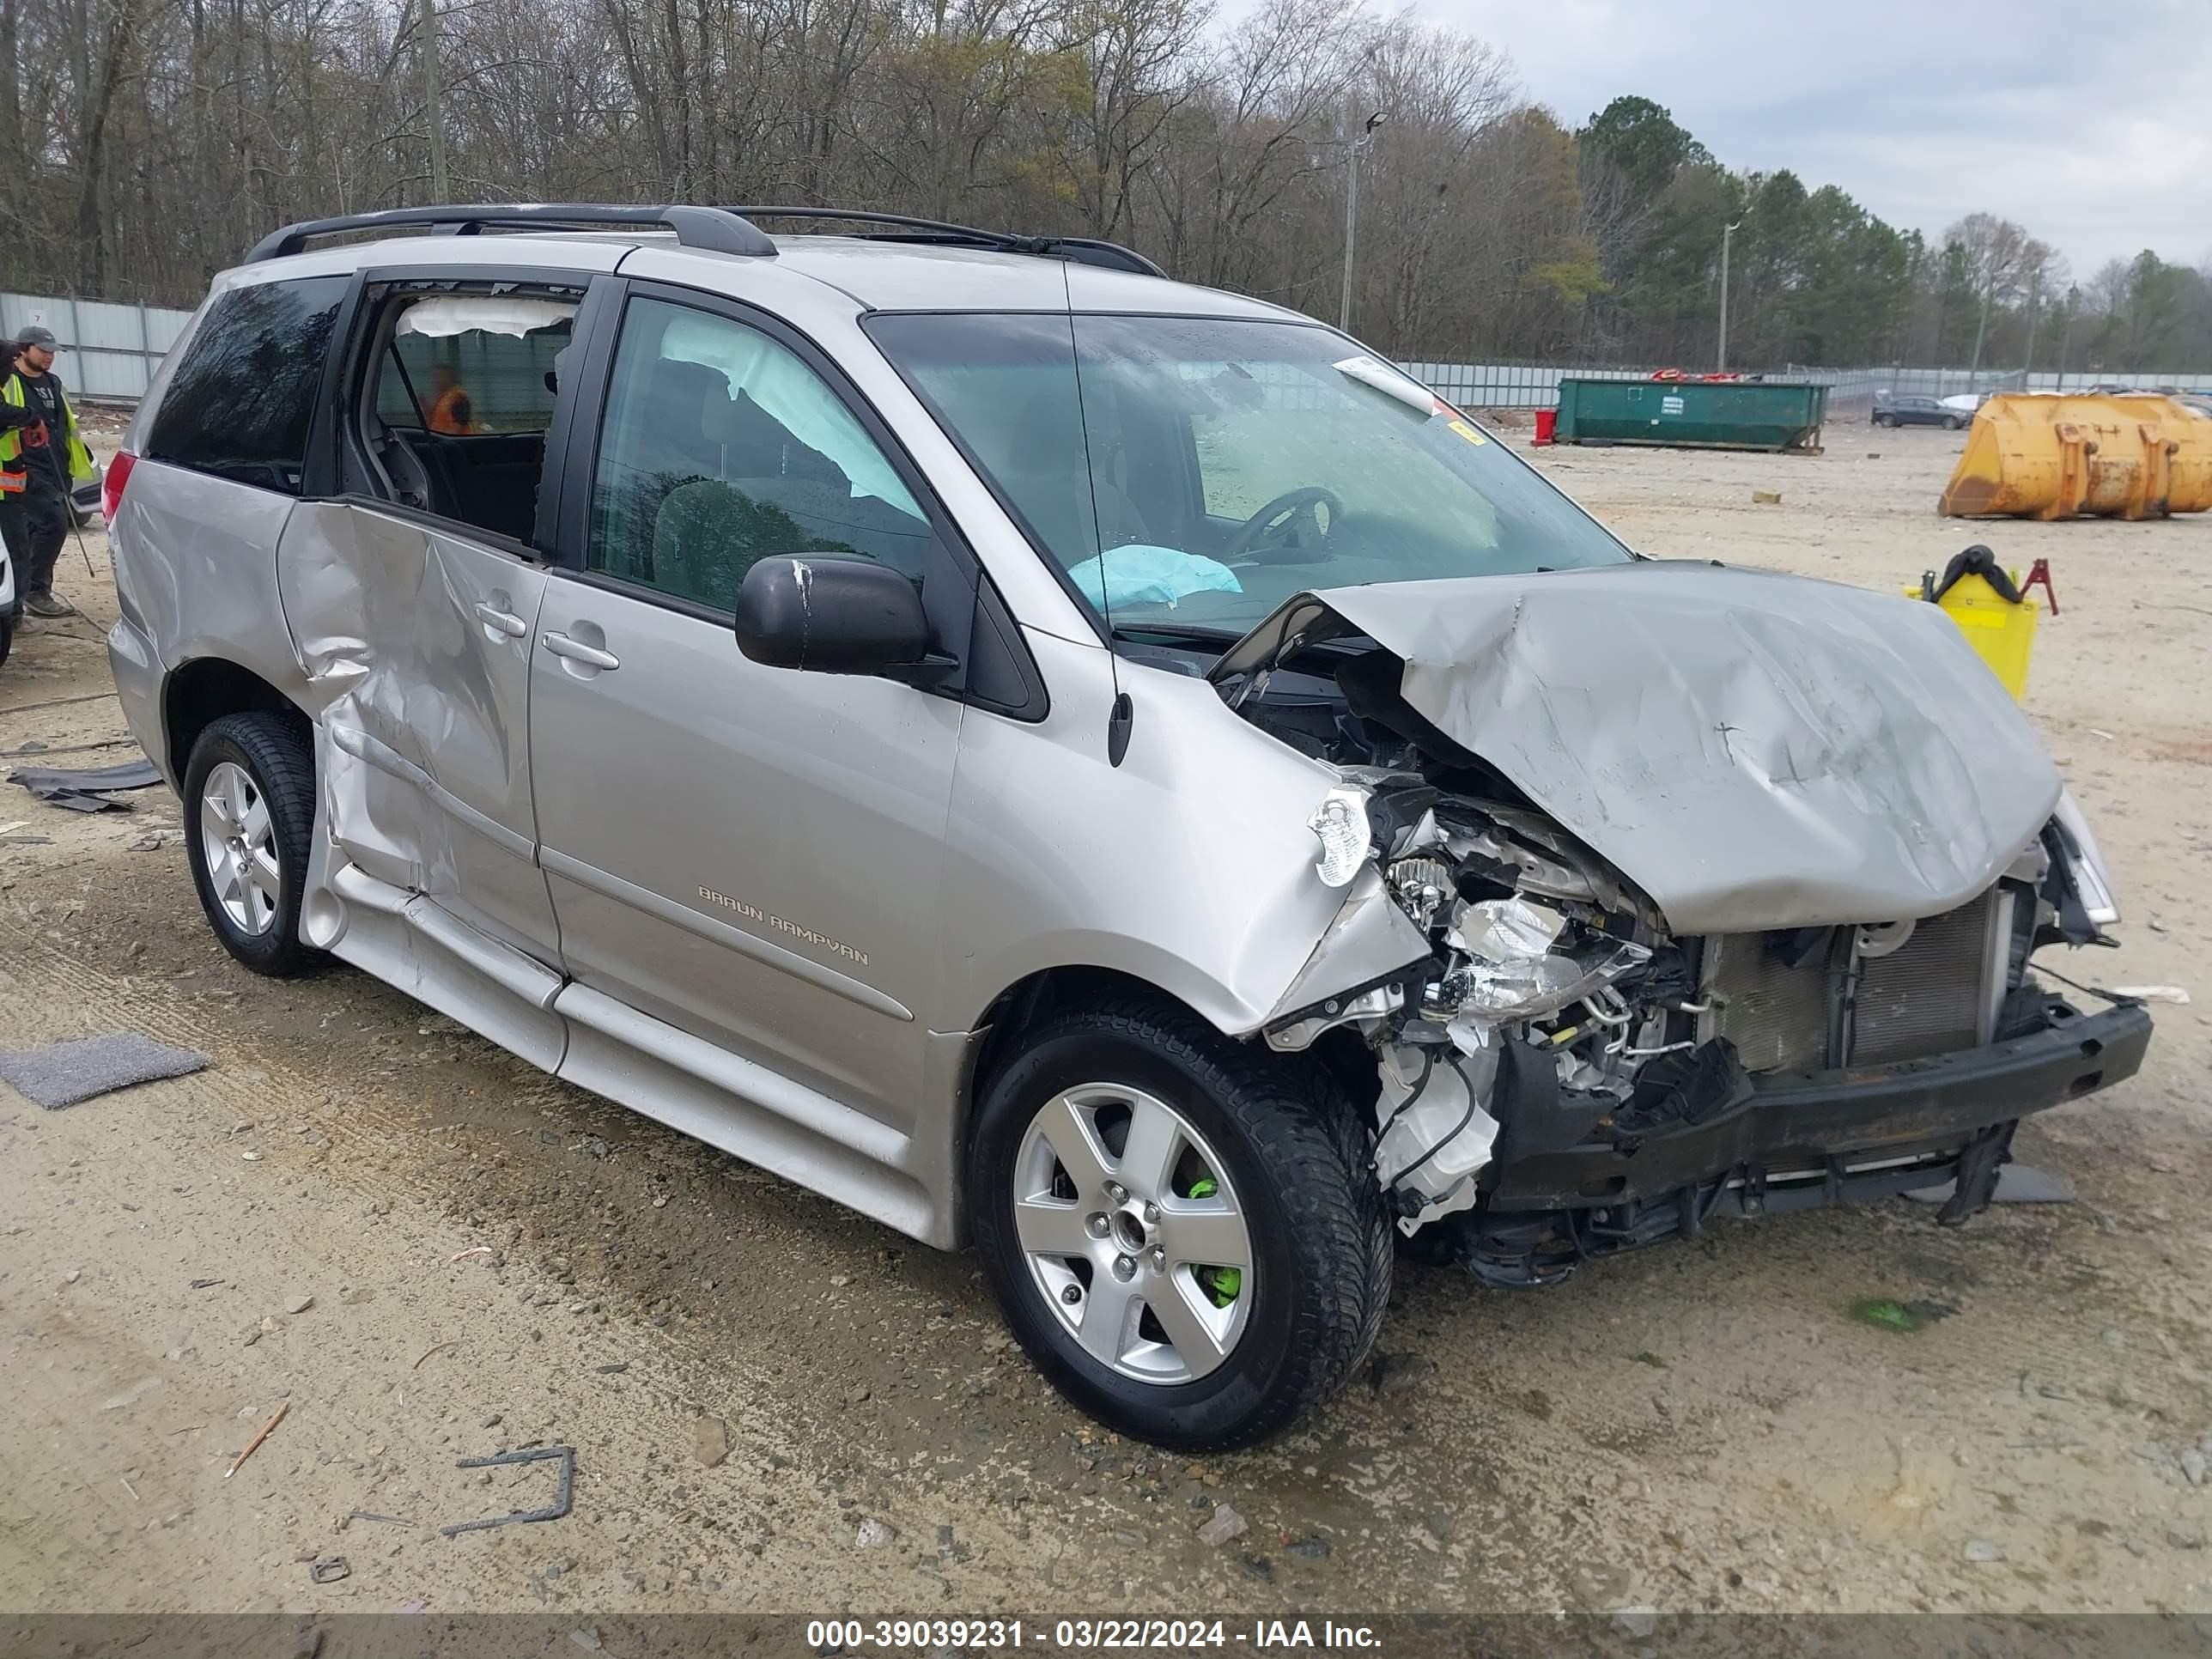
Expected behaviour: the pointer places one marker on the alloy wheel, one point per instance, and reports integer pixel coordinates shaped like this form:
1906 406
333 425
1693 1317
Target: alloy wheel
238 846
1132 1233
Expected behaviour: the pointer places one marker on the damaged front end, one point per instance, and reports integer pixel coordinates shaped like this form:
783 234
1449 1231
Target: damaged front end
1564 1070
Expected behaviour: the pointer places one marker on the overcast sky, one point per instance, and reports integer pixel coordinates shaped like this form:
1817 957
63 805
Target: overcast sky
2090 124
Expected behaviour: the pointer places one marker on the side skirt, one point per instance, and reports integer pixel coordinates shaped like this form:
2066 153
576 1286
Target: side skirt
588 1039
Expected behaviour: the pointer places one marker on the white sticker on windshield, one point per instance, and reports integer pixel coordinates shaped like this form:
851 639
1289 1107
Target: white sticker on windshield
1369 371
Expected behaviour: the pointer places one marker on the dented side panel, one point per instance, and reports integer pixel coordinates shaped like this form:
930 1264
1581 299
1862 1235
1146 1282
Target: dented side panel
197 578
1189 866
414 647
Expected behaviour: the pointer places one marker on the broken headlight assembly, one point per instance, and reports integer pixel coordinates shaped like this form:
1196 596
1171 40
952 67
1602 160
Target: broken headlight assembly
2085 864
1525 949
1339 824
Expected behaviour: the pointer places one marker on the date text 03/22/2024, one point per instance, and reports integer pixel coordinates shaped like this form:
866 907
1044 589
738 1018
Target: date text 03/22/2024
1085 1634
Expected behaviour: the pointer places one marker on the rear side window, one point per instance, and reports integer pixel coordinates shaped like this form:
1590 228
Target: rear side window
239 405
467 365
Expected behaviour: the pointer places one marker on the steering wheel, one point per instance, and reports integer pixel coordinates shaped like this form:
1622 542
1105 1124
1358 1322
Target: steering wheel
1283 522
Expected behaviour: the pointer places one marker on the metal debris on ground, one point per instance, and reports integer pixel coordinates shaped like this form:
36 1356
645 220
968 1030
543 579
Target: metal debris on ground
2173 994
86 790
562 1492
390 1520
330 1569
2017 1183
63 1073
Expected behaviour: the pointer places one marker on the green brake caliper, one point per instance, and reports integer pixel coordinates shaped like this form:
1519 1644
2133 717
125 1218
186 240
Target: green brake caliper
1222 1283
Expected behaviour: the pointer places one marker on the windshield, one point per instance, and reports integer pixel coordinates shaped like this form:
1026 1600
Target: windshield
1200 470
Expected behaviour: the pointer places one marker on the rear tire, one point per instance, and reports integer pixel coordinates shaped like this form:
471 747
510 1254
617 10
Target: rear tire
7 635
249 809
1952 424
1287 1157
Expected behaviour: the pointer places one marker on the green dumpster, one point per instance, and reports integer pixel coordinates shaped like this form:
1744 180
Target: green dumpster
1694 414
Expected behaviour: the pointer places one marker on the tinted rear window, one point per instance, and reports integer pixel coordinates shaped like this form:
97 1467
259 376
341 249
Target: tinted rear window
239 405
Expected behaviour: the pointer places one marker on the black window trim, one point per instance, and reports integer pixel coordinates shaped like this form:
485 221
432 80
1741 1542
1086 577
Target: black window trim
594 379
346 383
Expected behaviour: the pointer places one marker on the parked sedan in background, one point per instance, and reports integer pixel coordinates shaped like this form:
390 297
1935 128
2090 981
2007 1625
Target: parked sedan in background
1891 409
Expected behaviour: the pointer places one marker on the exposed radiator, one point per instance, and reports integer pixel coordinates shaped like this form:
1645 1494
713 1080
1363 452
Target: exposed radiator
1775 1015
1936 993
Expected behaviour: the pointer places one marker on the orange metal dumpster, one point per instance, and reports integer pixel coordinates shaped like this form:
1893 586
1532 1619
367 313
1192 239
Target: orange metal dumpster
2120 455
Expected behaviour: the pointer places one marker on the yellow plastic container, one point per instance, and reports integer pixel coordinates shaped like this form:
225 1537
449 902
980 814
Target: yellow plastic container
2123 455
2001 630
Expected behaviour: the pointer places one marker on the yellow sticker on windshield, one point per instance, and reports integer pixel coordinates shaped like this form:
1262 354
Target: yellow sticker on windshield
1467 432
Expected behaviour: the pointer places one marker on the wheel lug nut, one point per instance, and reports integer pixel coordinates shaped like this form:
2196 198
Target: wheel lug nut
1125 1267
1151 1215
1159 1258
1117 1191
1071 1294
1095 1226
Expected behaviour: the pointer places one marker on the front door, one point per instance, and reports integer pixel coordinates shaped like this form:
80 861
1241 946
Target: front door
747 853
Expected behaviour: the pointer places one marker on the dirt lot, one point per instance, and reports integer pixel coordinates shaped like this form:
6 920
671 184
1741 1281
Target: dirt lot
750 1374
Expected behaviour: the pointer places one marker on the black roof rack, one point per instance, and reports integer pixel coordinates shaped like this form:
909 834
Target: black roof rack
1084 250
716 229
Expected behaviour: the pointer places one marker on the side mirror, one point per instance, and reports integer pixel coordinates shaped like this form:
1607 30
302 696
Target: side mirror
835 615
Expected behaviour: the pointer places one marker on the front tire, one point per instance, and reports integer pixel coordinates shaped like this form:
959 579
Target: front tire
1952 424
249 808
1182 1231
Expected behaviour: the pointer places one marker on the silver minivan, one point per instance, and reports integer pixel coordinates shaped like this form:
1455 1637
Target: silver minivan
1065 761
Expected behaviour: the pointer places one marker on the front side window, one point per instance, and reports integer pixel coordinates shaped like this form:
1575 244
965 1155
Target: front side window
243 398
1207 469
720 448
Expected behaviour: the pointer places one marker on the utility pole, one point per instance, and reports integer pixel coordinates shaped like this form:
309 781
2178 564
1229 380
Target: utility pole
1728 234
1352 149
434 110
2034 295
2066 340
1974 369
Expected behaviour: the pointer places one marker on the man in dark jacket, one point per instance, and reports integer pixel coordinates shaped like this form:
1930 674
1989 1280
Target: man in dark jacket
39 443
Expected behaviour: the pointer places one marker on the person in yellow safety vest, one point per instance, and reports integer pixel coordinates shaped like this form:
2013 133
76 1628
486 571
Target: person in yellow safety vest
450 410
40 444
14 537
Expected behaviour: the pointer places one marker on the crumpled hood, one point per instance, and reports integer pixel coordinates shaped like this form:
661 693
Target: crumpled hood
1754 751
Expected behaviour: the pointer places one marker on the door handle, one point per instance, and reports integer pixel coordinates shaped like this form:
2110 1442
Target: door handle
576 651
506 622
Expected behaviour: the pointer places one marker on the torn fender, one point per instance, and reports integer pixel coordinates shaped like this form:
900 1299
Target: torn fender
1370 939
1754 751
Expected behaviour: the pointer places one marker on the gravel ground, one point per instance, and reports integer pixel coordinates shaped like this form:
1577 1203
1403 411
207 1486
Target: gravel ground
426 1251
